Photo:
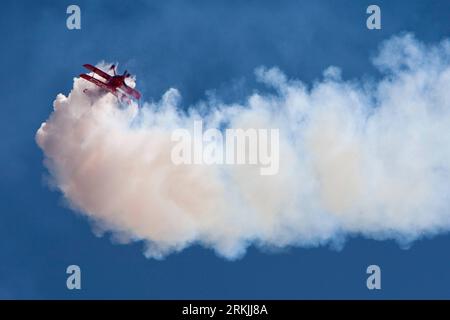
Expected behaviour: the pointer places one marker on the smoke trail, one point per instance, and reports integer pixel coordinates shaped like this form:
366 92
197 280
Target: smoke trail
355 158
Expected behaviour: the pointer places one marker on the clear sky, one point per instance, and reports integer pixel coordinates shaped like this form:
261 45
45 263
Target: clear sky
194 46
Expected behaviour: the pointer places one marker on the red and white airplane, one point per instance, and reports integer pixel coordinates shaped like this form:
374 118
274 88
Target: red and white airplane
113 83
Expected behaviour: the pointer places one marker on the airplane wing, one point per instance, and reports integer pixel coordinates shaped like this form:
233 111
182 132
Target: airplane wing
96 82
132 92
101 73
121 96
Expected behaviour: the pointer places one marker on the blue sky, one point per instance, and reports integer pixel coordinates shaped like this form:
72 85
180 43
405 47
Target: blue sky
195 47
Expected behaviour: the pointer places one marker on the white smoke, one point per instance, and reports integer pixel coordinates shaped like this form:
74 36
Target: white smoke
357 158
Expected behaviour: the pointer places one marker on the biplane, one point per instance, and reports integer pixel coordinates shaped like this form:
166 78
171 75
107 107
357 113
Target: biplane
112 83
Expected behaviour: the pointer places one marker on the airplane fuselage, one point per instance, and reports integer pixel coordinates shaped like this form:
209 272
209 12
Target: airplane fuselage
116 82
111 83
